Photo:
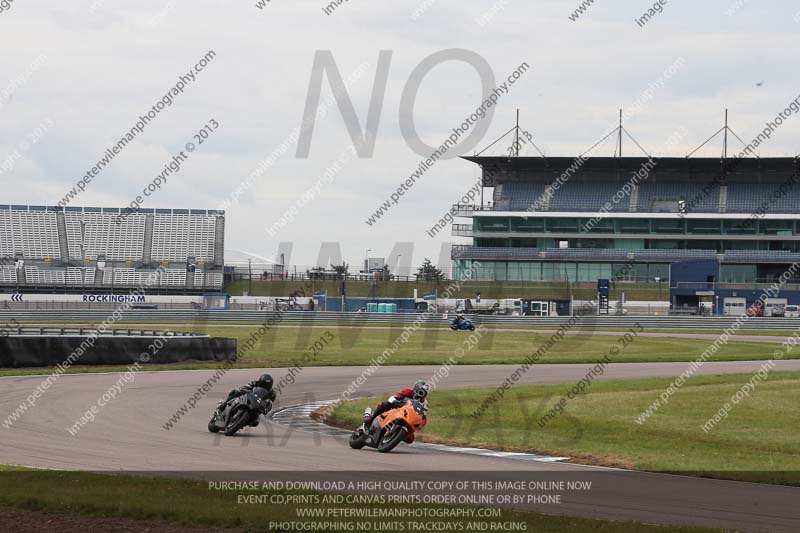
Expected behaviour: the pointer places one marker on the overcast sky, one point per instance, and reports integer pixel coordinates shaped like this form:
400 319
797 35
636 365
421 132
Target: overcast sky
83 71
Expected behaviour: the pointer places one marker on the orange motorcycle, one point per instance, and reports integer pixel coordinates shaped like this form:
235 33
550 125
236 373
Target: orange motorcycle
389 429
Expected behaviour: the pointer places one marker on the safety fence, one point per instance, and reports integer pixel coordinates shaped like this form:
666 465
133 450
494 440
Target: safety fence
79 332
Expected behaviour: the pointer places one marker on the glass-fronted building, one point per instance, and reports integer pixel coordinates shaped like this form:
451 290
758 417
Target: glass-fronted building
631 218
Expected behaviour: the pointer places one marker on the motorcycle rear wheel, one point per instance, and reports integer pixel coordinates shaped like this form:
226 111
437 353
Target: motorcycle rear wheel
238 421
389 442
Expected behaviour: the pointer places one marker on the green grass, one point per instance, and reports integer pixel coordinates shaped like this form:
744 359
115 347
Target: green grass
759 441
192 503
495 289
77 369
284 347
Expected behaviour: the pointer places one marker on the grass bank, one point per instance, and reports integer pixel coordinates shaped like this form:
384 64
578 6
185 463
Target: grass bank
341 346
192 503
758 441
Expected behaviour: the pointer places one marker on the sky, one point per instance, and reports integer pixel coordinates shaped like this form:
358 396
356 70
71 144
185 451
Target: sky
76 76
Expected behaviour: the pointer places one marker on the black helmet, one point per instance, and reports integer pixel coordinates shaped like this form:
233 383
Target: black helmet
264 380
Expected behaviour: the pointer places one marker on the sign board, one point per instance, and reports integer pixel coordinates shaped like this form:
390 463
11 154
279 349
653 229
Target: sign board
704 293
375 264
101 298
602 287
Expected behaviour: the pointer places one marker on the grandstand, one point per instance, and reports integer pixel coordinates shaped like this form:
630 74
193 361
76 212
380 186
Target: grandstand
74 249
739 214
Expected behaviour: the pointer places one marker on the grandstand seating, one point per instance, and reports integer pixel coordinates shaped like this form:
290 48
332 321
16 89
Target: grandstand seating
748 197
96 247
97 234
45 276
651 194
761 256
198 237
30 233
651 197
516 196
8 274
587 197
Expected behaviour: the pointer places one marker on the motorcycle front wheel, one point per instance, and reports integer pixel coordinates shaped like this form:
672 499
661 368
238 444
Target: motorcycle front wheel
238 421
358 440
392 438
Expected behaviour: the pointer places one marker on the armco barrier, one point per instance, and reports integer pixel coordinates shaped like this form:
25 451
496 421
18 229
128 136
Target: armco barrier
50 350
137 316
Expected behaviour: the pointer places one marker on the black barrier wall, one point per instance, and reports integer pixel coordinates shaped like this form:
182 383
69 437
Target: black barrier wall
23 350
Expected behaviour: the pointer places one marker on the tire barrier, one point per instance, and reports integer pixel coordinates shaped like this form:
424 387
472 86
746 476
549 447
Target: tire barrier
51 350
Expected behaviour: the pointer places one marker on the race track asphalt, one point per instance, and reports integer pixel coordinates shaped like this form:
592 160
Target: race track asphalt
128 435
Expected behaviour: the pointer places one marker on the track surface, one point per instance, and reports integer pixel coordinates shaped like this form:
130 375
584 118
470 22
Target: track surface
128 435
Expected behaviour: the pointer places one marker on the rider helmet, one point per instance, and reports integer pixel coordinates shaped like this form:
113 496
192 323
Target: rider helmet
264 380
421 390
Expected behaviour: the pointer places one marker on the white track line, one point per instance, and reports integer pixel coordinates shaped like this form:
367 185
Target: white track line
299 417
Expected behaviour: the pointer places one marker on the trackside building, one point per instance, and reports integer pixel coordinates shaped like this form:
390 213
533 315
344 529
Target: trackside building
703 224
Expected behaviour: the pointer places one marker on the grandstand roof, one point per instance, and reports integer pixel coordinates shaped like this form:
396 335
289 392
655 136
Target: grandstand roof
112 210
751 170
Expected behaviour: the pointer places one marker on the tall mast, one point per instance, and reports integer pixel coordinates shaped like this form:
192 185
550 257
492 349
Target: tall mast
725 138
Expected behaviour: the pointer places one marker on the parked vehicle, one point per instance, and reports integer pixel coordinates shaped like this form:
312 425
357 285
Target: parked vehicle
792 311
774 306
755 310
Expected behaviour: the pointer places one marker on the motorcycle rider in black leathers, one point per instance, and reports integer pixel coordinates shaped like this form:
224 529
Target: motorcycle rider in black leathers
263 381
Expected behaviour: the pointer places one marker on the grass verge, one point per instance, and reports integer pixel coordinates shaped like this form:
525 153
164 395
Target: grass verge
191 503
758 441
285 347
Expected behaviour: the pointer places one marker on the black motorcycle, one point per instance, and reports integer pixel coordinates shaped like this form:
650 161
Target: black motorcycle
241 411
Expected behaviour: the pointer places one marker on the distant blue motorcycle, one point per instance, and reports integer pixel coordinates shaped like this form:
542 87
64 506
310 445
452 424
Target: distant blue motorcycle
464 324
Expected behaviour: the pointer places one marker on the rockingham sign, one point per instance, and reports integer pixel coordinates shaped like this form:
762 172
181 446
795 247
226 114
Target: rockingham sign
115 298
100 298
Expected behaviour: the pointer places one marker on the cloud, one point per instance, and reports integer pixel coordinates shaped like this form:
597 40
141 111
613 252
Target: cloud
106 67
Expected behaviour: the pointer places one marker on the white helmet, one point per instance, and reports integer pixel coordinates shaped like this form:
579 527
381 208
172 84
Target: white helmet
421 389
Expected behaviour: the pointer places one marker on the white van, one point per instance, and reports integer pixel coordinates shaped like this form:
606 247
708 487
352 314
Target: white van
792 311
775 306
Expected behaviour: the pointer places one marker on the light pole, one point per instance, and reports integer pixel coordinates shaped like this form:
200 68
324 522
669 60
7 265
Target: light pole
398 263
83 269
